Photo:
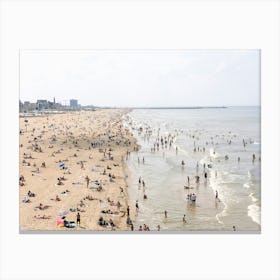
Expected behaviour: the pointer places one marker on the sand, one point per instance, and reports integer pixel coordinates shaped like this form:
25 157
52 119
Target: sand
73 146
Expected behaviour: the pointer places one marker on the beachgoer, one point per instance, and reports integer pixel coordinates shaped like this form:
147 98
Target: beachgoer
184 218
78 218
158 227
137 206
234 228
127 210
217 196
165 214
87 180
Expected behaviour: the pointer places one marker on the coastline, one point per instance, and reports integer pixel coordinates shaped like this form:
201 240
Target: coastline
165 180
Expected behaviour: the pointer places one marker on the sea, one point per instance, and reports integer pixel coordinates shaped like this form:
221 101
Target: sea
214 153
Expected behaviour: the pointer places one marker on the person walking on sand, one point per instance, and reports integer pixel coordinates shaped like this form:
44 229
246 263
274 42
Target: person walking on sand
127 210
217 196
184 218
165 214
87 180
78 219
158 227
137 206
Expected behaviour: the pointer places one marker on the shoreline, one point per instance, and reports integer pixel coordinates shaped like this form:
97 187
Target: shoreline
165 192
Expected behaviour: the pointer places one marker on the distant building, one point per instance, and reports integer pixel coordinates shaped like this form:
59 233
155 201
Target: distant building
28 106
42 104
74 103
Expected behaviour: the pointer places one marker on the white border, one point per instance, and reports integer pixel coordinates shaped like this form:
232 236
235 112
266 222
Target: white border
141 25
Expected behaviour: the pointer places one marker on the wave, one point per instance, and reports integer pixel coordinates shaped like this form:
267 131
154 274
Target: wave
254 212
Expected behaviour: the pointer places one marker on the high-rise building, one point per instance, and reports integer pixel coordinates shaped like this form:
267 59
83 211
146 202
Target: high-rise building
73 103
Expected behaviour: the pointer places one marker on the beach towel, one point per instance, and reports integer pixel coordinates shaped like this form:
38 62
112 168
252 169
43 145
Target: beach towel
62 212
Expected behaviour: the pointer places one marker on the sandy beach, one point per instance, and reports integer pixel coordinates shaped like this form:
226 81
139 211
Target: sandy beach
74 163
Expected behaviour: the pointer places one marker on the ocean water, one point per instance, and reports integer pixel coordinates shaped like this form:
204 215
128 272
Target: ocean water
208 140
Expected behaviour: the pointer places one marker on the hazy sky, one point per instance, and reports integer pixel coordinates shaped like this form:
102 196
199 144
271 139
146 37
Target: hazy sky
142 78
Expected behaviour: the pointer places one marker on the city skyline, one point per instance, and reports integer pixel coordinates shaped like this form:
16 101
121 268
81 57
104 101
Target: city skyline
143 78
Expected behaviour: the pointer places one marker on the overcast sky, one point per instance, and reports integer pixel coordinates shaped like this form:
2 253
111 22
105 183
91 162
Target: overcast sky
142 78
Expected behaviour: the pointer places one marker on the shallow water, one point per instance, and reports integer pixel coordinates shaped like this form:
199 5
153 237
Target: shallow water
220 132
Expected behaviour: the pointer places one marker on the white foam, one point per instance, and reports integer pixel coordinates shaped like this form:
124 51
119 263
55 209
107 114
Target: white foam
254 212
253 198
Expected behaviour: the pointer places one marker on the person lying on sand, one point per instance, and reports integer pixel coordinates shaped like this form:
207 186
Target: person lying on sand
26 199
109 211
30 194
81 204
42 217
56 198
42 207
60 183
65 192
